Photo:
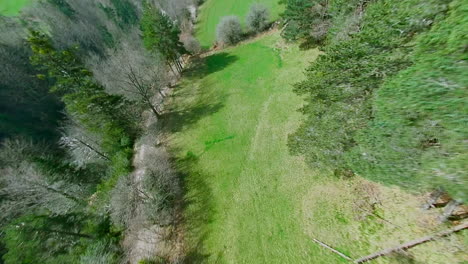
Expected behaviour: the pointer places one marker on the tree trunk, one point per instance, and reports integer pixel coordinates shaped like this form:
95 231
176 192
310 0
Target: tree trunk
64 194
333 250
154 110
411 244
172 69
161 93
65 233
93 149
179 69
448 210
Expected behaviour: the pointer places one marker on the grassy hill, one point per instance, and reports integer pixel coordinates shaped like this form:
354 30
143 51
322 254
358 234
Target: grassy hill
213 10
12 7
247 199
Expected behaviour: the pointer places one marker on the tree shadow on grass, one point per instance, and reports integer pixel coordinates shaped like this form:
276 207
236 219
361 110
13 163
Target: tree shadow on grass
207 101
198 207
201 67
178 120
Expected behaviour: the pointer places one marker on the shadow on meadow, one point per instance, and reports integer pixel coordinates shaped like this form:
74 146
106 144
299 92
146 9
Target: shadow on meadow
201 67
198 207
194 98
207 102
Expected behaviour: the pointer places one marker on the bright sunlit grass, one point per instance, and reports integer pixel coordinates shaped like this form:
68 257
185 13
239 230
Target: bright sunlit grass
12 7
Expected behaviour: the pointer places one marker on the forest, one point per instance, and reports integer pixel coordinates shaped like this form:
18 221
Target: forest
233 131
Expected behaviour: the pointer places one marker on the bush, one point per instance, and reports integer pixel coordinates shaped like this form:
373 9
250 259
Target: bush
229 30
191 44
257 18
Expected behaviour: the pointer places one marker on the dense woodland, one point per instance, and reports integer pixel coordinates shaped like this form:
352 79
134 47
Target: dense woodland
386 100
78 76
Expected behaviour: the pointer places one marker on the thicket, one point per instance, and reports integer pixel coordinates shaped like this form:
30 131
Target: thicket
385 100
161 36
308 20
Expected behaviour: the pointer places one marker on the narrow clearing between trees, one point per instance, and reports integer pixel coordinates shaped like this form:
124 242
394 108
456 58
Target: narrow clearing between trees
247 200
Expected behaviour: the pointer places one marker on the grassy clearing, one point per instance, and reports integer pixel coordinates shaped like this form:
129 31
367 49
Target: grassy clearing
212 11
12 7
248 200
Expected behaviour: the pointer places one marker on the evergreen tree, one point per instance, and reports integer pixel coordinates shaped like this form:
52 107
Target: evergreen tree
305 19
161 35
84 99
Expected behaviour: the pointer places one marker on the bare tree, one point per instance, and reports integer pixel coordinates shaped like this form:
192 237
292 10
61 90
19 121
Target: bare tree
142 89
25 188
257 18
229 30
125 202
83 146
191 44
129 70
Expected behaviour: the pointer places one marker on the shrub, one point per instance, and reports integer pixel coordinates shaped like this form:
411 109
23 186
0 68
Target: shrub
191 44
229 30
257 18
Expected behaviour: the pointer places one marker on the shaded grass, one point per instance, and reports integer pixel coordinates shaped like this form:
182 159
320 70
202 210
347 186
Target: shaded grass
212 11
12 7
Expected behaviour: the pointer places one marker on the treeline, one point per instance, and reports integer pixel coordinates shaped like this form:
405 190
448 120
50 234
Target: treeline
78 75
387 99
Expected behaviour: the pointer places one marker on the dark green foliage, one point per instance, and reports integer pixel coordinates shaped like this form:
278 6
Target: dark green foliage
85 99
419 131
410 131
123 13
64 7
161 34
126 12
42 239
61 239
26 107
305 19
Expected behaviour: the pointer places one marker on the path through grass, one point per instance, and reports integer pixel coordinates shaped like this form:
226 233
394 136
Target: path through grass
213 10
248 200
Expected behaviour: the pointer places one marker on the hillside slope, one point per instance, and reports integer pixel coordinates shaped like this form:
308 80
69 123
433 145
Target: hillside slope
247 199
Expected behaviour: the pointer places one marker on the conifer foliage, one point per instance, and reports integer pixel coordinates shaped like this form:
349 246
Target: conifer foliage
84 99
161 35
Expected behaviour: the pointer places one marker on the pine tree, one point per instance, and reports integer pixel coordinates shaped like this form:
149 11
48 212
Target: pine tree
161 35
84 98
303 17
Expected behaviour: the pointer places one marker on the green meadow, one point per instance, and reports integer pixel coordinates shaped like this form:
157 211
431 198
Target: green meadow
12 7
247 199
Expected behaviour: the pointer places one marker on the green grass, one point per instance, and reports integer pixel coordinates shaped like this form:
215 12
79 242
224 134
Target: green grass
12 7
247 199
212 11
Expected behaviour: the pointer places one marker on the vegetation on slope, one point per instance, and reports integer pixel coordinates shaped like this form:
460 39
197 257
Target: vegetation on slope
247 199
375 108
